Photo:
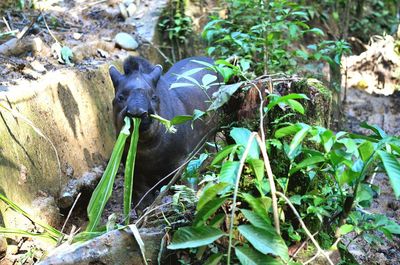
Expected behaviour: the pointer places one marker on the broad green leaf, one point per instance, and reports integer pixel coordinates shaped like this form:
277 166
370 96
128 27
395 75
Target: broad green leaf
249 256
130 170
177 85
296 106
227 150
214 259
288 130
345 229
328 139
241 137
392 167
193 237
217 220
181 119
276 99
223 95
379 133
265 241
297 139
257 165
207 210
256 220
103 190
349 143
307 162
208 79
210 194
259 205
366 149
229 171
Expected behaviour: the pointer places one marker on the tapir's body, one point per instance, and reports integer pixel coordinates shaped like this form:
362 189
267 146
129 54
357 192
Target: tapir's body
159 152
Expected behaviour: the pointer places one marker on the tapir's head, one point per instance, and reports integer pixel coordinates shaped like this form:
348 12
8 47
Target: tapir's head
135 92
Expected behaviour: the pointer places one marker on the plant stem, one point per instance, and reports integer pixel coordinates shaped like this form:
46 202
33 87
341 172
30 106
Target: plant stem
239 173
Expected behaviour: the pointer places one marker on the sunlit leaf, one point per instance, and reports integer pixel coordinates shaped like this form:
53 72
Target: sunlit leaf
192 237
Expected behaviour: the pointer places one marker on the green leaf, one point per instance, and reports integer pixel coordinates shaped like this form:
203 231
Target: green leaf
227 150
316 31
223 95
256 220
241 137
257 166
392 167
307 162
259 205
376 129
55 234
295 105
207 210
276 99
214 259
130 170
288 130
197 114
265 241
103 190
177 85
249 256
298 138
210 194
66 55
345 229
229 171
366 149
181 119
193 237
208 79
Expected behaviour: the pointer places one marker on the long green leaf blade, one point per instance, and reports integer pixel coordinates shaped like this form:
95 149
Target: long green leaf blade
192 237
392 167
103 190
51 230
130 170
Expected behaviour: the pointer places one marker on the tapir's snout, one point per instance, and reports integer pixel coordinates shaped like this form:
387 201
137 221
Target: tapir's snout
137 112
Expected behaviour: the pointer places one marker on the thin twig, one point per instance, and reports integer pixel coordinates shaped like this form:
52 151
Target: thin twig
70 211
271 184
239 173
7 25
303 225
51 33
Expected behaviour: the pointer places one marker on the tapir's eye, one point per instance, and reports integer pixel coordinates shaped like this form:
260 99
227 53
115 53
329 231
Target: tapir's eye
154 98
121 97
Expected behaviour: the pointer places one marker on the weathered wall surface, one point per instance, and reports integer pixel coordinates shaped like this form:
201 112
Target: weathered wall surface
72 109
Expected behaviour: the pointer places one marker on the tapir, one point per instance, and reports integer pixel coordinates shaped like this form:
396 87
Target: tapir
143 90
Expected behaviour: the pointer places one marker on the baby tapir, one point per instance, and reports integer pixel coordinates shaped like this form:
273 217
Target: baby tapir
143 91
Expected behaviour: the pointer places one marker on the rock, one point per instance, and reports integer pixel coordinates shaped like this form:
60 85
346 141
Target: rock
126 41
3 246
124 12
38 67
131 9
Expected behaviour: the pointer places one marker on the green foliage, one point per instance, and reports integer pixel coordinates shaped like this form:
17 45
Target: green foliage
333 168
261 33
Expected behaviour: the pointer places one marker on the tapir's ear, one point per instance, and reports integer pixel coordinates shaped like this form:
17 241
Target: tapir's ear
130 65
115 76
156 73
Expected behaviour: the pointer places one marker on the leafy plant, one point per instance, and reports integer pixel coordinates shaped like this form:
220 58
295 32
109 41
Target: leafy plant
333 168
